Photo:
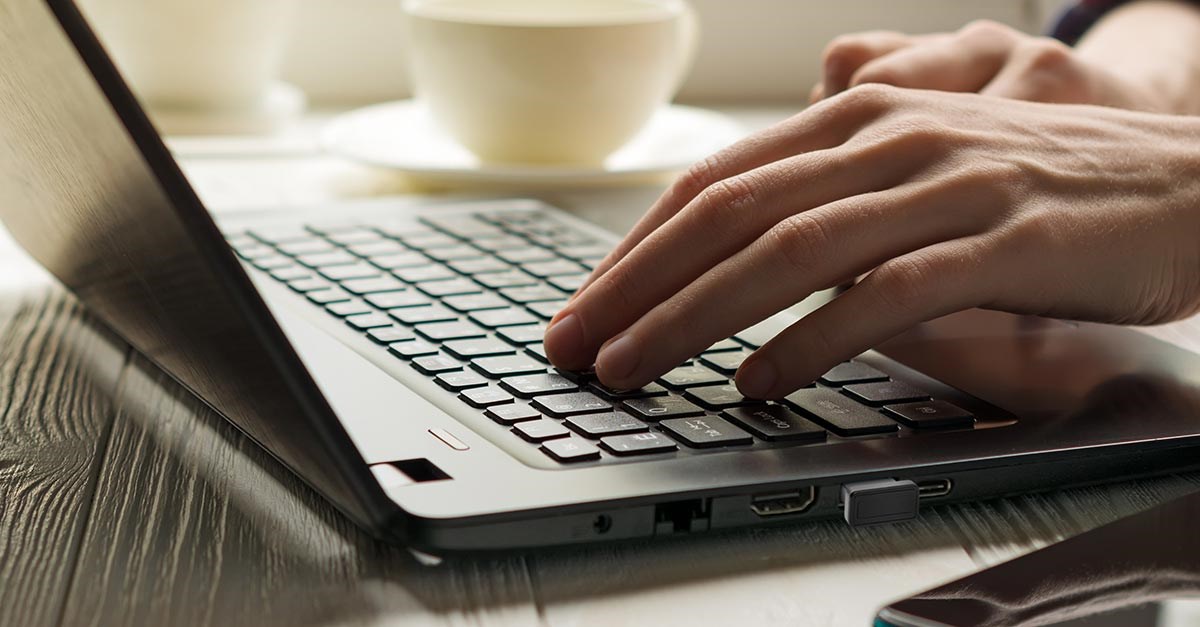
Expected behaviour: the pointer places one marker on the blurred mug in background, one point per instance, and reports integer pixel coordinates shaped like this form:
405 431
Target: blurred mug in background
202 66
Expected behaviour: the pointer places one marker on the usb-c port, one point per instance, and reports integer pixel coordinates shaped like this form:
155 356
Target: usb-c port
783 503
934 488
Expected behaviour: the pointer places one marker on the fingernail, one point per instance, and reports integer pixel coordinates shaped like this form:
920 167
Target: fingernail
564 339
757 378
618 360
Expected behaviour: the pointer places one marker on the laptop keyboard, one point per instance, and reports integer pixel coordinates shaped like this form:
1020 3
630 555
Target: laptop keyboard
464 300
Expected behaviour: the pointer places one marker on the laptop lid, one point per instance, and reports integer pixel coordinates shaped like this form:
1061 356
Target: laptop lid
90 191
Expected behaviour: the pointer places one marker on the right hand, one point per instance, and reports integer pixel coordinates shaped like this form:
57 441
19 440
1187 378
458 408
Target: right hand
985 57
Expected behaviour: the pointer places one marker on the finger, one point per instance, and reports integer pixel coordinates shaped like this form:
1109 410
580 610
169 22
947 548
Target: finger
823 126
1041 70
817 93
899 294
846 54
964 61
798 256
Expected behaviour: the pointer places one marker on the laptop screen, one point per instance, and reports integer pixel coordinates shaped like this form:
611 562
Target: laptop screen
89 190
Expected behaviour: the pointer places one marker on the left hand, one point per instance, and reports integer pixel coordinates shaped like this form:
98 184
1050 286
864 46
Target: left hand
948 201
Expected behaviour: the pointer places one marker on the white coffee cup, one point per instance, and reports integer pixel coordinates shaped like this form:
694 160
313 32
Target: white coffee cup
547 81
211 55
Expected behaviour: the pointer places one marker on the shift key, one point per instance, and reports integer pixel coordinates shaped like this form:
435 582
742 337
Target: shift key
842 415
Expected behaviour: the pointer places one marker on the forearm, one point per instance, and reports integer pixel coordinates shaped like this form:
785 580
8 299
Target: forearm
1154 44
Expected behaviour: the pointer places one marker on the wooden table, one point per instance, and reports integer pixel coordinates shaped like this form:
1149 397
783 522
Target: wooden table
123 500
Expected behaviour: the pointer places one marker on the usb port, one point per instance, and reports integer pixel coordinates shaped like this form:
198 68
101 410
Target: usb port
934 488
783 503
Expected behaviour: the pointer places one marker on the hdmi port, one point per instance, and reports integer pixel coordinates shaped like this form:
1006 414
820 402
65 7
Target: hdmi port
936 487
783 503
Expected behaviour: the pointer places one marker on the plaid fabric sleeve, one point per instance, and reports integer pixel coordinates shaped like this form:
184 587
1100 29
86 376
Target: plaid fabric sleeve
1078 18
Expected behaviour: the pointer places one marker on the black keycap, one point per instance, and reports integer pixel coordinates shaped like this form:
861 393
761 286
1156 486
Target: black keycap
638 444
705 432
512 278
360 270
538 352
453 287
396 300
608 423
717 396
691 376
885 393
474 302
346 308
775 423
479 266
652 389
481 347
926 414
563 405
457 381
412 348
433 364
421 274
511 365
531 385
722 346
306 247
496 318
454 253
364 322
547 309
291 273
526 255
570 450
421 315
326 296
485 397
313 284
512 413
582 377
390 335
531 294
520 336
373 285
661 407
840 414
329 259
852 372
725 362
540 430
446 331
399 261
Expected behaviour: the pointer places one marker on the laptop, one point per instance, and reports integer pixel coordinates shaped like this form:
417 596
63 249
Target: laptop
389 353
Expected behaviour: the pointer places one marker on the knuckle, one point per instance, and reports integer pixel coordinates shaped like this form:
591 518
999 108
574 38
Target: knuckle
843 51
622 287
727 200
696 178
1044 55
882 72
904 284
986 30
799 242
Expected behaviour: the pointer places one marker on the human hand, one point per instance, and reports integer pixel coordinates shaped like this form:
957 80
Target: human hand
948 201
985 57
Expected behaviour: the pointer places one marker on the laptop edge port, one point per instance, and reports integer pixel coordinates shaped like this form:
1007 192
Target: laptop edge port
933 488
783 503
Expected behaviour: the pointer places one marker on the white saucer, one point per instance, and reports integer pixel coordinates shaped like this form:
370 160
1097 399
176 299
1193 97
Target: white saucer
402 136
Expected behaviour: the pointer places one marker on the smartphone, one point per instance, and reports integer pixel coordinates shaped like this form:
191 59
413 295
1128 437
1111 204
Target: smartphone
1141 571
